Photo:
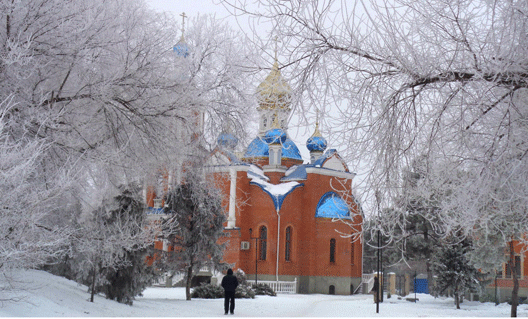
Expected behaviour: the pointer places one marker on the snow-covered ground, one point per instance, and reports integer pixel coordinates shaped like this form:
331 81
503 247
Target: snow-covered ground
51 296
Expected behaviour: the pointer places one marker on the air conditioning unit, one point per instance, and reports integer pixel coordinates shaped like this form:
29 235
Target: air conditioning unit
244 245
157 203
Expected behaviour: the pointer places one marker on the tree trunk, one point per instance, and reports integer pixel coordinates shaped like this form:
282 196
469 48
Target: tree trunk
188 284
457 299
515 290
93 285
515 295
430 278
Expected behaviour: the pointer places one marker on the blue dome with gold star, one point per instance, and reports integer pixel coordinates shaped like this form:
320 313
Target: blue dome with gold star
181 49
275 136
316 143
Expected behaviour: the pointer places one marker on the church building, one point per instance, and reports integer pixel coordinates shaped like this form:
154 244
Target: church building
288 220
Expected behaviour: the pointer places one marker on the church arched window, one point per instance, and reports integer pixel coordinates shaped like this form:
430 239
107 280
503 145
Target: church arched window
331 205
263 242
332 250
287 250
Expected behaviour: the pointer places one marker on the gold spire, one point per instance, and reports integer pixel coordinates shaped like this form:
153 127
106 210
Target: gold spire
317 132
276 47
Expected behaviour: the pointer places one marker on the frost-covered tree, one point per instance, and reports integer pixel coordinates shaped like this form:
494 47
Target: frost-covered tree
194 224
125 282
405 78
455 271
94 87
419 228
111 247
30 234
218 58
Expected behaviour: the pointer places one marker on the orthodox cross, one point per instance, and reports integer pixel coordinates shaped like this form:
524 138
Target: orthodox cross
276 47
183 23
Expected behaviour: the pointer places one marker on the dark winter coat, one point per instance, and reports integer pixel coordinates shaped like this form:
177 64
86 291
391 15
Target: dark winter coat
375 288
229 282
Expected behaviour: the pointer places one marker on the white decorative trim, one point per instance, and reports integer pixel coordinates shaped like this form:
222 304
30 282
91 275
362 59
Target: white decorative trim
329 172
227 168
274 168
231 220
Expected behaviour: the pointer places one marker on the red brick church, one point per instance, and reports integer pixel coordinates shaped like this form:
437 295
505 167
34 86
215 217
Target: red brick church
288 220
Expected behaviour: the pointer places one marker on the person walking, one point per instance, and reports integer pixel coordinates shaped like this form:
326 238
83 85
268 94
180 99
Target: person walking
229 283
375 289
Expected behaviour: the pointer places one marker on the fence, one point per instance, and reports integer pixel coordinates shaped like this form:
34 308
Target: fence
287 287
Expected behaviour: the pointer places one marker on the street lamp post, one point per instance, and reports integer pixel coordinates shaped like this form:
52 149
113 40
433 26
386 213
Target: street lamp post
256 254
378 199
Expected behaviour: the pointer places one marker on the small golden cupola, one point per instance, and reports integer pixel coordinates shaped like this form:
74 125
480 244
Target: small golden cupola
274 92
274 99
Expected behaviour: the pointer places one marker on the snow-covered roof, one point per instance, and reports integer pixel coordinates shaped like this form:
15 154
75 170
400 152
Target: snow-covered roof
330 160
320 161
223 157
295 173
277 192
254 172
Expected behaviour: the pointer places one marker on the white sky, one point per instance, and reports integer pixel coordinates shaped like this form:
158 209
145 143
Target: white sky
190 7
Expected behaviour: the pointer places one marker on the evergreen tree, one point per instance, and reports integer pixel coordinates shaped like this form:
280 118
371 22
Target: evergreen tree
455 271
111 246
415 231
133 275
193 226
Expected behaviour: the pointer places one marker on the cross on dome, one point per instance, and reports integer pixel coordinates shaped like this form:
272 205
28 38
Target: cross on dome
181 47
183 25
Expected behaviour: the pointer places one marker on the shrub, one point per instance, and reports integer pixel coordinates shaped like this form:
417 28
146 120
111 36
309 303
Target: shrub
241 277
264 289
208 291
487 298
243 291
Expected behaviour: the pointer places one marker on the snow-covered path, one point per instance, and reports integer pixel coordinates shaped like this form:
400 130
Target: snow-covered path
51 296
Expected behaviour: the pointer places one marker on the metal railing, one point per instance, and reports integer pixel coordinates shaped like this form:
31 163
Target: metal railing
286 287
369 280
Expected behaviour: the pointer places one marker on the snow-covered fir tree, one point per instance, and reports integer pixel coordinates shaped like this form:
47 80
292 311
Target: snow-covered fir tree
194 223
111 247
129 280
455 271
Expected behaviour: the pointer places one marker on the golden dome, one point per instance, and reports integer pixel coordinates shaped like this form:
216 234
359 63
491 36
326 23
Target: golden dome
274 92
